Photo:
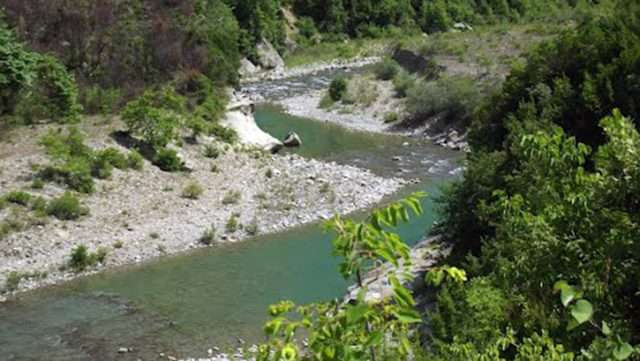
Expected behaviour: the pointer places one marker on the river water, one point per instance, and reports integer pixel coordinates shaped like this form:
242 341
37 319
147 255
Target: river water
185 304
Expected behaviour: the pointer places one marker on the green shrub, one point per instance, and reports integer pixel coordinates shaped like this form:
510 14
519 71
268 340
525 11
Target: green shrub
156 116
225 134
113 157
231 197
81 259
252 228
76 175
53 94
13 281
232 224
193 190
211 151
402 82
72 160
338 88
208 236
37 183
66 207
18 197
135 160
17 68
39 205
386 69
168 160
456 97
391 117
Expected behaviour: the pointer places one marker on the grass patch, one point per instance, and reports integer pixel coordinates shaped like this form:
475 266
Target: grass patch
231 197
66 207
193 190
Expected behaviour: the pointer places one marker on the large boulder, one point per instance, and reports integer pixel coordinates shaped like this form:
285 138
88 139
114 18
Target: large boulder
239 117
416 63
268 56
292 140
247 68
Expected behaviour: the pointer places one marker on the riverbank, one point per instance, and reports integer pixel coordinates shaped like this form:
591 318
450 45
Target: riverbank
139 216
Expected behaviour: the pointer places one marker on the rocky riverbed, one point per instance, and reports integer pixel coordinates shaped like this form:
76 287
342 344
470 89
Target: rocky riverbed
137 216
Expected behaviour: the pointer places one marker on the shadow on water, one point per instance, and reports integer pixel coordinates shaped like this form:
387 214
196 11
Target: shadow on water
186 304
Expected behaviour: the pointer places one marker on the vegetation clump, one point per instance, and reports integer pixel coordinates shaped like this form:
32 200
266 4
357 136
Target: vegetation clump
66 207
338 88
82 259
193 190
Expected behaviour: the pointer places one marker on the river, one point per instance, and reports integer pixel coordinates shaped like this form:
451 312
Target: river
185 304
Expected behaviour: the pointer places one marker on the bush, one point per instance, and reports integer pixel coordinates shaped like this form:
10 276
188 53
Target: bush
224 134
13 281
402 82
232 197
113 157
73 160
37 183
54 94
39 205
391 117
211 151
168 160
232 224
193 190
386 69
18 197
81 259
66 207
208 236
338 88
156 116
135 160
456 97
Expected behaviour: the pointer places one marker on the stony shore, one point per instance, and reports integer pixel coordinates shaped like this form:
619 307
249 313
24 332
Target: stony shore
139 216
369 118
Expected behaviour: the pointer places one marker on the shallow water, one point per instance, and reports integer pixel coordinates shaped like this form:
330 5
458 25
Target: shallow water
186 304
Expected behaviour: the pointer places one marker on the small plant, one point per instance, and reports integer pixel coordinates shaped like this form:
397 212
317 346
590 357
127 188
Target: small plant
232 224
168 160
338 88
37 183
39 205
135 160
391 117
66 207
118 244
232 197
193 190
211 151
386 69
81 258
252 228
269 173
18 197
13 281
402 82
114 157
154 235
208 236
325 188
214 168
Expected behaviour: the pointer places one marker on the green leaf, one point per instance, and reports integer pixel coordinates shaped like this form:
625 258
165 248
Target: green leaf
623 352
606 330
567 294
435 277
405 315
582 311
356 313
558 286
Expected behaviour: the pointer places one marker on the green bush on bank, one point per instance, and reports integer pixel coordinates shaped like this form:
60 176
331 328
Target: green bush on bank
66 207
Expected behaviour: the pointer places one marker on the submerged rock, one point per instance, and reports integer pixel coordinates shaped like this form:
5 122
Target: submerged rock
292 140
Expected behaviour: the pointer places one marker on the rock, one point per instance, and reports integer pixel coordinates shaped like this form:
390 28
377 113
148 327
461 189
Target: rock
123 350
268 56
247 68
396 159
462 26
292 140
240 118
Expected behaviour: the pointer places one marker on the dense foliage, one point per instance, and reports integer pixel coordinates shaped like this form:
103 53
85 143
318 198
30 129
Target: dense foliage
551 193
375 17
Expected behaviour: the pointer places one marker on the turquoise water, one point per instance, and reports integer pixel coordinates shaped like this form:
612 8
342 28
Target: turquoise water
186 304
